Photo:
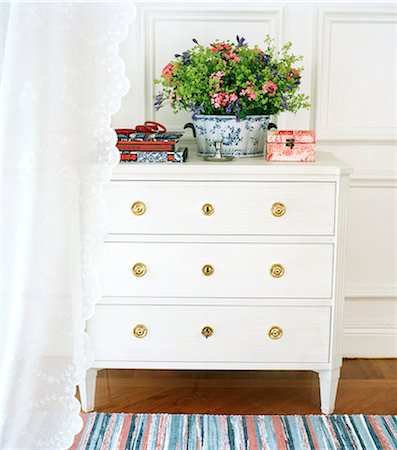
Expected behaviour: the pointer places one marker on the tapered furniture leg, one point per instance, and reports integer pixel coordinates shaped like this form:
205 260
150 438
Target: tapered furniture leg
328 387
87 390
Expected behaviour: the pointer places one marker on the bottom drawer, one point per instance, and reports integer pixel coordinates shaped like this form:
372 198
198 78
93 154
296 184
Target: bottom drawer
240 333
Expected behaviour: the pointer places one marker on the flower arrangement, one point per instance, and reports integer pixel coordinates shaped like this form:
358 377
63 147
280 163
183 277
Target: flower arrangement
231 78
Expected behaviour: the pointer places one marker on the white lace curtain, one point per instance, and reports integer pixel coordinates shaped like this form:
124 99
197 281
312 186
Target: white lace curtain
62 79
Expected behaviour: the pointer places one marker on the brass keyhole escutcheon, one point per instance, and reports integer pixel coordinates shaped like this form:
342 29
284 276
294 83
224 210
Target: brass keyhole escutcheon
208 209
207 331
139 269
290 143
138 208
278 209
140 331
208 270
275 333
277 271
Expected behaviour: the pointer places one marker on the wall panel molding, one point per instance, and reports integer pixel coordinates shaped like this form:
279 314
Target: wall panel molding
374 177
318 32
327 19
371 292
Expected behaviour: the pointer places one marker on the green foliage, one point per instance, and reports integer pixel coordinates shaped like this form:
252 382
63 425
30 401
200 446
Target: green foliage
232 78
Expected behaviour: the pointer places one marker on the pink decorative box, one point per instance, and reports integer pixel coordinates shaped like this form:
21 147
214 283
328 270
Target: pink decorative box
291 145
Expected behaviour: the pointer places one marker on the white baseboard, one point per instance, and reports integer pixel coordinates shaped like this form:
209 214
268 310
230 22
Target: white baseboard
370 323
370 342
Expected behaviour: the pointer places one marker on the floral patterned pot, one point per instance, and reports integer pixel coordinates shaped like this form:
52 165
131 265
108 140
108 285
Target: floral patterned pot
244 138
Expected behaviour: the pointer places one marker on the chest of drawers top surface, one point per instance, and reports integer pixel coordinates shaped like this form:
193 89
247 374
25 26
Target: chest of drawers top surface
243 194
243 168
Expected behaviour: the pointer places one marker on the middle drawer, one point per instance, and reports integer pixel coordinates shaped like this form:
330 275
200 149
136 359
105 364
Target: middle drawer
216 270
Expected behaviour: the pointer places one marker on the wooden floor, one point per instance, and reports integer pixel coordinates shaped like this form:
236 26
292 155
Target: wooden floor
366 387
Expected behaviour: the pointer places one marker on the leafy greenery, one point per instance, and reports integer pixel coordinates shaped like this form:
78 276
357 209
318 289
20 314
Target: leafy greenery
232 78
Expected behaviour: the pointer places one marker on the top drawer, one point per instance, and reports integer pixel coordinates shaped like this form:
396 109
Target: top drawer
242 208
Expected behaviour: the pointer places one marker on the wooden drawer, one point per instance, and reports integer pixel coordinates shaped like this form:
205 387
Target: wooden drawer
240 334
239 270
238 207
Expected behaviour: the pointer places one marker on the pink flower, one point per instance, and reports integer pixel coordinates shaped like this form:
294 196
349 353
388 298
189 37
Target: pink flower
233 97
220 47
249 91
232 57
220 99
168 70
295 75
217 76
270 88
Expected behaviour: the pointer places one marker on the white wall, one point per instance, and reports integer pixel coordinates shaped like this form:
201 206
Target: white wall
350 74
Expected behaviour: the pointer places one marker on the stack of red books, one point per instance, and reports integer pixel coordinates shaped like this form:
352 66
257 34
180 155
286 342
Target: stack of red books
150 147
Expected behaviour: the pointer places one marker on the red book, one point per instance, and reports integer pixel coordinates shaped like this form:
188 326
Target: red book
156 146
128 157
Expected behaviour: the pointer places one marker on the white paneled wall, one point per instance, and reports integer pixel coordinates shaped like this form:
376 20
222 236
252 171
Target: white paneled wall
350 60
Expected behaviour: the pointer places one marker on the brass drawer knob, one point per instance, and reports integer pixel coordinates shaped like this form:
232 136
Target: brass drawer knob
140 331
208 209
208 270
139 269
278 209
277 271
138 208
275 333
207 331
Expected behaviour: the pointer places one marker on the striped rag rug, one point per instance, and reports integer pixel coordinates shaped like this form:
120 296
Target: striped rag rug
219 432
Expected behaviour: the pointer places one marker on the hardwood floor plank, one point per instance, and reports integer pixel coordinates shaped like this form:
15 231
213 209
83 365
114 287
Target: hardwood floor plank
366 387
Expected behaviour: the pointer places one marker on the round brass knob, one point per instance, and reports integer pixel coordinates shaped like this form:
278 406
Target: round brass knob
208 270
208 209
138 208
207 331
139 269
140 331
278 209
277 271
275 333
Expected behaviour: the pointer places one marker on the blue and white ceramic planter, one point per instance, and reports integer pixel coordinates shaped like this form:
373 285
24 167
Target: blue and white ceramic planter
245 138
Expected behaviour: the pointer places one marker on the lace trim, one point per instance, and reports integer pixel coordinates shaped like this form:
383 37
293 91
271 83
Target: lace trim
106 157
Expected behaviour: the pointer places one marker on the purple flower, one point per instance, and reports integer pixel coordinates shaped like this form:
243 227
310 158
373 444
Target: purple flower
196 109
195 41
240 42
186 59
257 76
284 103
229 108
237 109
263 58
158 102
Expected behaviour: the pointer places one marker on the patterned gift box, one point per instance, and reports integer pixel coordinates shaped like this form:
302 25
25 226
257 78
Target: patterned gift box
291 145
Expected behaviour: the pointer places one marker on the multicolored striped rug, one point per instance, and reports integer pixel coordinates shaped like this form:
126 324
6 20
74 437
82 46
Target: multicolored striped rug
211 432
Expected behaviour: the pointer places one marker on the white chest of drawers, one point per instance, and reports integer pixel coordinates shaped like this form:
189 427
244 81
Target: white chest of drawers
223 266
